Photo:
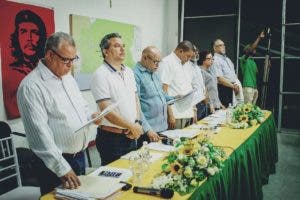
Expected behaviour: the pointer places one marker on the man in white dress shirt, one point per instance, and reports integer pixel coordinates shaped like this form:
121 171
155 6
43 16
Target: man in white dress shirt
52 108
176 74
113 82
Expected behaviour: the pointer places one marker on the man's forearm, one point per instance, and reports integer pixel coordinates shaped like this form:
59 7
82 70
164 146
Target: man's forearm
225 82
255 43
114 117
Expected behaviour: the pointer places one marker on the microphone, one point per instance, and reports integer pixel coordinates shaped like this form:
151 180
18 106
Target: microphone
164 193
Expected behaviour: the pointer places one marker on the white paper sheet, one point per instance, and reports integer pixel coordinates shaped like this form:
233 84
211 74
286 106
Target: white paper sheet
185 102
178 133
157 146
107 110
94 186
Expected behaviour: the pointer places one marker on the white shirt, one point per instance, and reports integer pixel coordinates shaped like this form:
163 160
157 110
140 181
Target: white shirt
198 82
179 79
51 110
107 83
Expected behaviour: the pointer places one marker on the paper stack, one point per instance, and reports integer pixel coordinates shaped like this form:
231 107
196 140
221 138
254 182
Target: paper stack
95 186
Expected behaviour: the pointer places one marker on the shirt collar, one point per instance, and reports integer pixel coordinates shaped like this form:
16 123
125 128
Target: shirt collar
45 72
176 57
111 68
142 68
220 55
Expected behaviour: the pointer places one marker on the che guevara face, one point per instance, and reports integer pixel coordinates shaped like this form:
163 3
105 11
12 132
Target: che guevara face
28 38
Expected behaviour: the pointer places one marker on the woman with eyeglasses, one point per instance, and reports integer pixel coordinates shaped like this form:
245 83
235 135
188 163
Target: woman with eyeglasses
205 61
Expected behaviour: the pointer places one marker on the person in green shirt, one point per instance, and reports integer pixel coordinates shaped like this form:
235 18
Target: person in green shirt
249 71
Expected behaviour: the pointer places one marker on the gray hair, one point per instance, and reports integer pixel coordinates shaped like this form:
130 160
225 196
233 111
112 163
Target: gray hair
56 39
185 46
104 44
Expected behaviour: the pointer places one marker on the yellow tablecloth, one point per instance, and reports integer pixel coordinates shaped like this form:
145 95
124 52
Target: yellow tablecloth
228 138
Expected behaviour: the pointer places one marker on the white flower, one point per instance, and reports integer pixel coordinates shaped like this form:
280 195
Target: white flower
202 161
205 149
210 171
161 181
260 119
181 157
216 169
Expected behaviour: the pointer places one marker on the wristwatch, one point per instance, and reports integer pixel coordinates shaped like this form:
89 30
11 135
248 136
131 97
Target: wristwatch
138 121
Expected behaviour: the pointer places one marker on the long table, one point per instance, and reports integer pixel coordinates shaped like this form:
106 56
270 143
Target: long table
252 155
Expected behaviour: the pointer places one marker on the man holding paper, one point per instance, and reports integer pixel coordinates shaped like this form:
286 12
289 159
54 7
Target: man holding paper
111 83
52 108
176 74
152 97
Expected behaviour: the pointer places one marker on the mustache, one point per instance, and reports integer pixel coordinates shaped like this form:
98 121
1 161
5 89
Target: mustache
30 45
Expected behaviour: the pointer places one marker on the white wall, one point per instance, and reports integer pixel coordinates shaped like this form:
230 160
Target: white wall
157 20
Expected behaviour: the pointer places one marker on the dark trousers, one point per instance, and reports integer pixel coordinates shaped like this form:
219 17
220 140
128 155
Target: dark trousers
202 110
225 95
111 146
49 180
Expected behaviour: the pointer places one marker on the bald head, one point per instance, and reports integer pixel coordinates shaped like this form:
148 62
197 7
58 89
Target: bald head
151 56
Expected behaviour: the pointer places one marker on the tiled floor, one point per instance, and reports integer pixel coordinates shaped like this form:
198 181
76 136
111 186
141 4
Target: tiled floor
285 184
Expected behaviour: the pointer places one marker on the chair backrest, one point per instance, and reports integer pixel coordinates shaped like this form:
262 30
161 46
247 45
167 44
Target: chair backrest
9 168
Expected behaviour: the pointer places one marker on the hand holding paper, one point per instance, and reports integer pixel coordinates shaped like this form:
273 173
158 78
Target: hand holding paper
98 116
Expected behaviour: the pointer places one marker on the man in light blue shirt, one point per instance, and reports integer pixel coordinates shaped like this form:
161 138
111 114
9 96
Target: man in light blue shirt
153 99
230 88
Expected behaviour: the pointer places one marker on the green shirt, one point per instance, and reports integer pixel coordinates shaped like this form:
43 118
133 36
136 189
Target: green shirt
249 71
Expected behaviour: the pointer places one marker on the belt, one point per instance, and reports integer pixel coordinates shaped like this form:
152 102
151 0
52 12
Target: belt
114 129
72 155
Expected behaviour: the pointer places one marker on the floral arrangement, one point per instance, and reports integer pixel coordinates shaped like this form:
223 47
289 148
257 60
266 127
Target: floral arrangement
189 164
246 115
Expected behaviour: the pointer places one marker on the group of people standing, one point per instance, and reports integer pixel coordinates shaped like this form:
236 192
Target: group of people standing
52 107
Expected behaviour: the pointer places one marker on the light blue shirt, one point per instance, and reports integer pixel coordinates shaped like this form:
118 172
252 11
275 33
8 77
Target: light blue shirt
152 98
223 67
52 109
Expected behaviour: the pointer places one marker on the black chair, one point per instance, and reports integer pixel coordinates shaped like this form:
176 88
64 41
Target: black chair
10 179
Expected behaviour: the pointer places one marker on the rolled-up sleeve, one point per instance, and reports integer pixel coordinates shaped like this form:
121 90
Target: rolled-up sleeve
33 111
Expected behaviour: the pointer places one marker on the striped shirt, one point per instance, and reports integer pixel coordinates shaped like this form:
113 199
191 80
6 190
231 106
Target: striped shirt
223 67
51 110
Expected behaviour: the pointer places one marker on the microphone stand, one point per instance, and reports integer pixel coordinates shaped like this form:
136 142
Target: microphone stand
267 64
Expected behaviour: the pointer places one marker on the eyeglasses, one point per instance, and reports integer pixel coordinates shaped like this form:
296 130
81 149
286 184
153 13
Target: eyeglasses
153 60
211 58
66 60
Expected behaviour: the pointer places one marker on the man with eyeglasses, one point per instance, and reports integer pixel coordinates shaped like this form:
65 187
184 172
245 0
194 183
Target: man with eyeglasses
52 108
176 74
111 83
229 86
152 97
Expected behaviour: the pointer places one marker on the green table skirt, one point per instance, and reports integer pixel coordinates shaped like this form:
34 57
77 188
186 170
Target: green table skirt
247 168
